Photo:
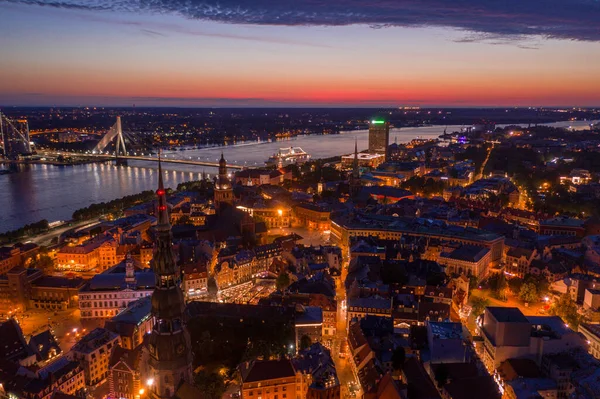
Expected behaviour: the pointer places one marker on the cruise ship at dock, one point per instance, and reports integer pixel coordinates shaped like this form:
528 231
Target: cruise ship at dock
288 156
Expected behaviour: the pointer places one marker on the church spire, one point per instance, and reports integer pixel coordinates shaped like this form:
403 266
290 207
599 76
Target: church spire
223 193
355 169
355 176
167 356
163 213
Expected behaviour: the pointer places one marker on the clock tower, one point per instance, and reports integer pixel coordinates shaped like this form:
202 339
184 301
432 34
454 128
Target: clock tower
167 356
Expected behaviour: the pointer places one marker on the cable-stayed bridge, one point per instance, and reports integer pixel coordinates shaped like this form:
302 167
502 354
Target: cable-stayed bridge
122 154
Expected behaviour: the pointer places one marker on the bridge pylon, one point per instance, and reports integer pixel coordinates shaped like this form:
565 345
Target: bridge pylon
15 137
120 144
115 132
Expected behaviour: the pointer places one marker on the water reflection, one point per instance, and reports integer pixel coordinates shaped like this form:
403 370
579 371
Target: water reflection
42 191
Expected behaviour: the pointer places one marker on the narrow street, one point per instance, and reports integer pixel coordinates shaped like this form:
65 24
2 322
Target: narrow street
342 364
484 164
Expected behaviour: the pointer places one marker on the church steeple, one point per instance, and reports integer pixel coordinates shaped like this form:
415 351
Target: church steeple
163 213
222 166
355 170
223 190
355 176
167 355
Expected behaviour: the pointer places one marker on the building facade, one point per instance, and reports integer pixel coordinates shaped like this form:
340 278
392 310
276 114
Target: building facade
106 294
124 374
312 216
379 136
93 353
270 379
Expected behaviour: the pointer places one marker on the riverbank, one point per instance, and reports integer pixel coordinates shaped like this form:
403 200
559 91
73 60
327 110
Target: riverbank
46 238
42 191
53 162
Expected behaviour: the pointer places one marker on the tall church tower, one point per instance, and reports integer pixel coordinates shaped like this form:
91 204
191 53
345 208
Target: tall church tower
355 176
167 355
223 189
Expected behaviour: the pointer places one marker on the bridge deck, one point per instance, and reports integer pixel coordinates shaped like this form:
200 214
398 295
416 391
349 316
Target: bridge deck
149 159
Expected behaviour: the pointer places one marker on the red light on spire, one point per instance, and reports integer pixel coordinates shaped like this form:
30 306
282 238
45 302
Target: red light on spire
160 192
162 208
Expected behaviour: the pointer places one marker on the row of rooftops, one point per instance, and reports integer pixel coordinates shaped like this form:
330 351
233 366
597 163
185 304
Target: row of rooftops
114 279
17 249
527 380
563 221
37 279
552 327
257 173
259 251
467 253
125 322
14 347
414 226
95 339
17 381
89 245
315 361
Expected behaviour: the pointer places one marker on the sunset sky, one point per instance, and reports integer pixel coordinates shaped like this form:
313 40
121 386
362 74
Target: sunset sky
300 52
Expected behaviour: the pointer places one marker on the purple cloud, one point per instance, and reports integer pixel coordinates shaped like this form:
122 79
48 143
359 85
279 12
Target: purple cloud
558 19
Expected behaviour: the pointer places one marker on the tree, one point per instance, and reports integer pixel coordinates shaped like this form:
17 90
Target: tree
473 281
435 278
283 281
212 287
211 384
43 262
515 285
540 282
441 374
398 358
528 292
305 342
478 305
566 308
499 285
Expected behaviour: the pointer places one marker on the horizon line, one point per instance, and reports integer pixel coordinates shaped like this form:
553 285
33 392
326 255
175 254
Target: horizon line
414 107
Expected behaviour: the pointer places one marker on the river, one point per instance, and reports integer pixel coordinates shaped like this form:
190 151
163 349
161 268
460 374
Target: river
53 192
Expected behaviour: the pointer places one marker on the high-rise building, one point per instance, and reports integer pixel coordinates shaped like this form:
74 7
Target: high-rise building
167 355
223 189
379 137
